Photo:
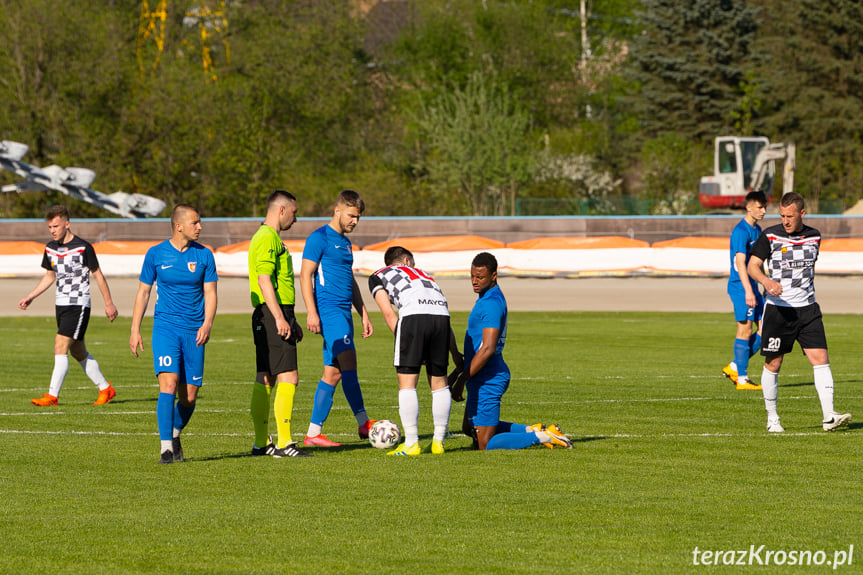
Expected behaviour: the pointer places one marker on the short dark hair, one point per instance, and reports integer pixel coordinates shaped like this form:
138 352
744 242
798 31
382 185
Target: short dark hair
280 195
792 198
757 196
395 253
179 210
485 260
57 211
351 199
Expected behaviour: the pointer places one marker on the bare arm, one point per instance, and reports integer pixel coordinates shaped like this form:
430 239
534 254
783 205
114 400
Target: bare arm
142 299
740 262
485 353
390 316
283 328
307 272
210 304
756 272
110 309
360 306
47 281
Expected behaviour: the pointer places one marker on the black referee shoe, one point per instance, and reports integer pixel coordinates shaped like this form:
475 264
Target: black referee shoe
290 450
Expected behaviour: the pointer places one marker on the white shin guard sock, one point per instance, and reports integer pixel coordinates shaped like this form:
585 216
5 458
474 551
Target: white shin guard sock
61 368
441 406
409 411
770 389
824 387
91 368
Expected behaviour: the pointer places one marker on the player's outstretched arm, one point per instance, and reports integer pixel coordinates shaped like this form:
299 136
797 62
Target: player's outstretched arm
47 281
142 298
110 309
210 304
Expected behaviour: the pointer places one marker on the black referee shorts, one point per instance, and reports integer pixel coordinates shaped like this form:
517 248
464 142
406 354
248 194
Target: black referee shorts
422 339
273 353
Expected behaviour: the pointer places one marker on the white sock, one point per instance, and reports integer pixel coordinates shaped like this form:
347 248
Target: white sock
314 429
409 411
441 405
733 366
91 368
167 445
824 387
61 368
770 389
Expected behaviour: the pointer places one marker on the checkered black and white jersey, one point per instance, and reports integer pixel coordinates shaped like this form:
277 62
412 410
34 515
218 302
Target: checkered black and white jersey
410 290
790 260
72 262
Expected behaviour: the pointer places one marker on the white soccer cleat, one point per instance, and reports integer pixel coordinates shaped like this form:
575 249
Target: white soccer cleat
836 421
773 426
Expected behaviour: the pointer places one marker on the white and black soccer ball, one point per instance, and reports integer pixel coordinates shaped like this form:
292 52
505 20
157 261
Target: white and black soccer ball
384 434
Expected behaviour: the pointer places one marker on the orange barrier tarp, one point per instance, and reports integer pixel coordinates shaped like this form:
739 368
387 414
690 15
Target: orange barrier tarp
293 246
842 245
572 243
438 244
695 243
21 248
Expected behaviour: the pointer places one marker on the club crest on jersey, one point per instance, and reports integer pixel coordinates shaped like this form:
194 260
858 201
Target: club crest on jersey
191 266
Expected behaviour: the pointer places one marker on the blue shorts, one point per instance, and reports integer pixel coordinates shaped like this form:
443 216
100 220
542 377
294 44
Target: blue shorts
175 351
337 327
743 312
483 400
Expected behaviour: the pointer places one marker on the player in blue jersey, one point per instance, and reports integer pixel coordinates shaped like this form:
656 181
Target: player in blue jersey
486 374
185 274
329 290
743 290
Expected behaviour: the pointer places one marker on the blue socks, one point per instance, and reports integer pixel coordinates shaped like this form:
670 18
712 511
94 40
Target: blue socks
165 416
324 401
741 355
353 393
512 440
754 343
182 415
507 427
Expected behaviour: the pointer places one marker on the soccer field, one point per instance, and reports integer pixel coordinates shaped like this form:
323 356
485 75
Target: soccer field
668 458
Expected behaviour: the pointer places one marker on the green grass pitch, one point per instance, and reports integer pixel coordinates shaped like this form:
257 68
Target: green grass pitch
668 457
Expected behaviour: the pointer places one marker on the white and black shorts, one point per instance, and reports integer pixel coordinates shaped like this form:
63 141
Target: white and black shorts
782 326
422 339
273 353
72 320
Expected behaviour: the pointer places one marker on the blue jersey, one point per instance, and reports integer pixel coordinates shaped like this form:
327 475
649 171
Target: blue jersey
742 238
334 278
179 278
488 311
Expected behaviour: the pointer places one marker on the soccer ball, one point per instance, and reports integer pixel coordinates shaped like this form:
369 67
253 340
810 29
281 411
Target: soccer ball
384 434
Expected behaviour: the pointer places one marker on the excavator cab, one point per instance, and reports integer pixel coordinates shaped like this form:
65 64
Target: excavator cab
734 171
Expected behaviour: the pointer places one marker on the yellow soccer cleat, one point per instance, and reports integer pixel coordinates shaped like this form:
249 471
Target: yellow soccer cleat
558 437
539 427
730 373
402 450
437 447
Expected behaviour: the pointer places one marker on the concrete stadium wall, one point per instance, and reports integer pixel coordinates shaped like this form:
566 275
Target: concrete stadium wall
219 232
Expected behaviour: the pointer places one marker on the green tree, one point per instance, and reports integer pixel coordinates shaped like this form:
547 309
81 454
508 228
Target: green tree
691 62
477 144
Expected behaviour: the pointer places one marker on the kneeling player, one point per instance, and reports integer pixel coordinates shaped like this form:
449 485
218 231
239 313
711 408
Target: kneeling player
487 375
